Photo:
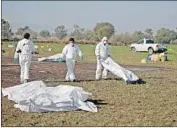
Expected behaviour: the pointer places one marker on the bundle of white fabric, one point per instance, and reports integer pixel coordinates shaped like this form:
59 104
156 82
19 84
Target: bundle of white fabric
54 58
119 71
36 97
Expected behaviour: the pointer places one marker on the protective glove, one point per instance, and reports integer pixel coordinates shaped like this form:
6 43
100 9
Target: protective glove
98 57
81 57
60 60
15 60
35 52
109 56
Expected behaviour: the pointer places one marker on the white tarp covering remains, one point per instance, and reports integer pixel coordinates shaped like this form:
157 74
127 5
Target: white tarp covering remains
54 58
10 46
36 97
119 71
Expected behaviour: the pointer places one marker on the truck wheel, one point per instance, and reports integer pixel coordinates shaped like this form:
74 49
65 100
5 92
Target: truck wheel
150 50
133 49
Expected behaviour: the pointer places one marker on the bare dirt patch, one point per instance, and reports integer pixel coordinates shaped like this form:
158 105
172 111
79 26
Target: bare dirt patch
54 72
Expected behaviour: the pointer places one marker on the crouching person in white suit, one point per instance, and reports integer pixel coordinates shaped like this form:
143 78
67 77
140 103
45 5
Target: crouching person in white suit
70 52
24 50
102 52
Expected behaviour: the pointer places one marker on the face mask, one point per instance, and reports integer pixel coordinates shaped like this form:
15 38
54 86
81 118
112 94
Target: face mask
105 41
72 44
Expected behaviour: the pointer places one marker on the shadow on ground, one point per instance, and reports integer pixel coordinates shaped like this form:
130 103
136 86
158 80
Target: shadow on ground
98 103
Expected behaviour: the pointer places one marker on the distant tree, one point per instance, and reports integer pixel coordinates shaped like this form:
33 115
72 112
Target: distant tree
103 29
78 33
116 39
148 33
45 33
137 35
126 38
173 42
6 31
26 28
3 21
165 35
88 35
21 31
76 27
60 32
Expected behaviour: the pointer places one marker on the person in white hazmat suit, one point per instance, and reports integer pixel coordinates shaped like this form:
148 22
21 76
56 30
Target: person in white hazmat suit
24 50
70 52
102 52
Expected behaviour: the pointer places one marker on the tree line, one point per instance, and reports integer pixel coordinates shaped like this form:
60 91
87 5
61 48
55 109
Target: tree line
163 35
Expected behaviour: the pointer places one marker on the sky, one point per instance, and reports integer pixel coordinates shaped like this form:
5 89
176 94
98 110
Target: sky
126 16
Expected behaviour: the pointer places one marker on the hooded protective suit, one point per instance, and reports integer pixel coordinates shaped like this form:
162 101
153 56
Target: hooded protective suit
70 52
102 52
24 51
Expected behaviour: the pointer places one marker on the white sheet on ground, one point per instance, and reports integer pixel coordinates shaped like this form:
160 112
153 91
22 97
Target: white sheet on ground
54 58
36 97
119 71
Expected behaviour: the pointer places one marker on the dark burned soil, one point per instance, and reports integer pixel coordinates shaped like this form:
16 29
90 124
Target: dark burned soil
54 72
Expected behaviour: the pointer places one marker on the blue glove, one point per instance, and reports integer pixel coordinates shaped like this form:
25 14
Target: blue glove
81 57
60 60
15 60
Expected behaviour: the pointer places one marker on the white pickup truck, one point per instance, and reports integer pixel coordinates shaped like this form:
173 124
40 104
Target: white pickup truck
148 45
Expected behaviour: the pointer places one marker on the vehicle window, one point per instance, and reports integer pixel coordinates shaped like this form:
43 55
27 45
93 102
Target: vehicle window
149 42
141 42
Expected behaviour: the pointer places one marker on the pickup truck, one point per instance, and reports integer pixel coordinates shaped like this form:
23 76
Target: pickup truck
148 45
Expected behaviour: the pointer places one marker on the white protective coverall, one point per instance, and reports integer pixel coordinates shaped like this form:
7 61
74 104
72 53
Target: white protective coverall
27 48
102 52
70 52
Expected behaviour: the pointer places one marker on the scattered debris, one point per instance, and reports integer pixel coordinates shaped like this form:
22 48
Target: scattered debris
36 46
172 51
10 46
143 61
42 71
155 58
50 49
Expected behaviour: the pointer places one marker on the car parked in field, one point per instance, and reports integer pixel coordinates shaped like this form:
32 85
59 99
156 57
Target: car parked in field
148 45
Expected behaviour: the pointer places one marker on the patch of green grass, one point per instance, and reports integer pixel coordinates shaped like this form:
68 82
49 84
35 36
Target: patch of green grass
121 54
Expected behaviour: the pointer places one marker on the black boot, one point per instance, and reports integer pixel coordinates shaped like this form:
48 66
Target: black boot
128 82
